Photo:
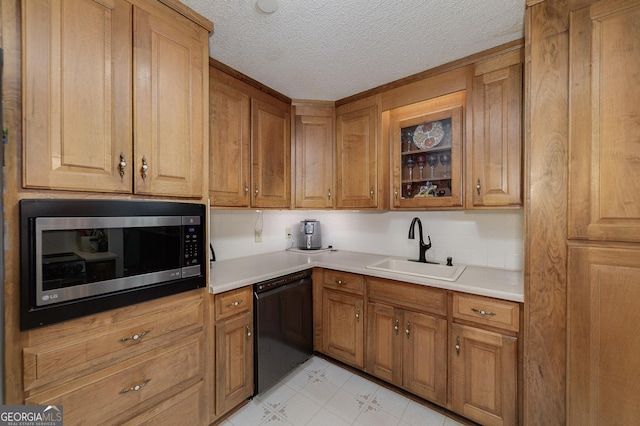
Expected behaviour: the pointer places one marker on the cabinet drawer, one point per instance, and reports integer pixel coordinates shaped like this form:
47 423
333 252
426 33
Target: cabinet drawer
344 281
233 302
186 408
482 310
124 390
412 296
87 351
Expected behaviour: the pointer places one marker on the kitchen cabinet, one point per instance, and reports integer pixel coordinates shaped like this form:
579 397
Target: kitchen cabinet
427 144
604 177
483 357
343 317
249 146
406 341
360 175
142 361
494 147
314 159
603 342
233 348
94 119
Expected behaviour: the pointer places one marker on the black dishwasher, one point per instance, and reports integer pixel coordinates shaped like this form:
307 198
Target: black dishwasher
283 327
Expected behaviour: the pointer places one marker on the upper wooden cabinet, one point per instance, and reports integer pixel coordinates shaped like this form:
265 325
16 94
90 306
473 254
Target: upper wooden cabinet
426 145
314 159
250 145
94 118
494 148
230 153
604 167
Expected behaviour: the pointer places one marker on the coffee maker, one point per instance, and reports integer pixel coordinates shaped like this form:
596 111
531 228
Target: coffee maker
309 237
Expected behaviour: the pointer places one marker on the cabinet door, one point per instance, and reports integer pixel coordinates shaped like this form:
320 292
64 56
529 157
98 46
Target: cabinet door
230 137
234 362
171 76
357 159
77 95
343 327
384 342
424 357
426 141
271 155
495 151
314 162
603 342
483 375
604 172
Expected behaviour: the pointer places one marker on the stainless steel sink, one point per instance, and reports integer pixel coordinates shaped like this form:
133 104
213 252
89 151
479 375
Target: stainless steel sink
425 270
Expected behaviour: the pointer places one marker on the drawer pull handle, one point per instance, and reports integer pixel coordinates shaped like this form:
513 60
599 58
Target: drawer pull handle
329 194
407 330
478 187
232 304
248 332
396 328
340 282
135 336
483 312
457 345
135 388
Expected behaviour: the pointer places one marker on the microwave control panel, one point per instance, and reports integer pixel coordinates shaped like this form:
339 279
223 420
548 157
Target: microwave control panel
193 243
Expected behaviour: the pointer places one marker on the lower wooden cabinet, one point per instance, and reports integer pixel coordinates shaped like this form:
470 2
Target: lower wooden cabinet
408 349
343 316
125 366
343 327
483 375
233 348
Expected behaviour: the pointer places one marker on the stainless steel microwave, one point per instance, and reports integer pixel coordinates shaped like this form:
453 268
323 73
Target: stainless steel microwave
80 257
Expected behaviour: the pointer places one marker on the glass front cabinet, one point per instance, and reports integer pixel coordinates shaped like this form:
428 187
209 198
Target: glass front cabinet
426 140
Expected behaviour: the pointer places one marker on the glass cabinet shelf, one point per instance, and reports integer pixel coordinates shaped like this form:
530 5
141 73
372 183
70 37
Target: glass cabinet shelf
426 153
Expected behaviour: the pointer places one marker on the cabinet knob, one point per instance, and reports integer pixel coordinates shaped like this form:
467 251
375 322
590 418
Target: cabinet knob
246 189
395 192
478 186
144 168
457 345
329 194
371 192
248 332
357 314
232 304
407 330
340 282
256 190
396 328
122 164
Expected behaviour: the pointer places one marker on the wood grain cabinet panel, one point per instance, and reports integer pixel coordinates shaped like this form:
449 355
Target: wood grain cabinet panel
357 158
314 145
603 341
230 139
483 375
604 171
494 153
343 327
114 98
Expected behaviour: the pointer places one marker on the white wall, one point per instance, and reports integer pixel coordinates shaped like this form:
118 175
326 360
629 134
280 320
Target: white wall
483 238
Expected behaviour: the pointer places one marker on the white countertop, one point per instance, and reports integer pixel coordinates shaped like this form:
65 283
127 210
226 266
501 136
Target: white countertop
231 274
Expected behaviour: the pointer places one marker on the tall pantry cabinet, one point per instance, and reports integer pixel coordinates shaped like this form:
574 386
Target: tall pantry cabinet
604 214
114 97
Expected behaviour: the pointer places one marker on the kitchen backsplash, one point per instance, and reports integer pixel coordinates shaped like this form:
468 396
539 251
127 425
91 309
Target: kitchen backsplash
482 238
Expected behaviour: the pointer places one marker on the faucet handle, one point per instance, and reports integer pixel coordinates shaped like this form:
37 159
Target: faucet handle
428 245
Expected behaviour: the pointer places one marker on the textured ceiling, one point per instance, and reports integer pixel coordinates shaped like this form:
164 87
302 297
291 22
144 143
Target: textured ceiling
331 49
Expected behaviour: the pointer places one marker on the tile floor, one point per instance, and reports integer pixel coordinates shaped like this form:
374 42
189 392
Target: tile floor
319 393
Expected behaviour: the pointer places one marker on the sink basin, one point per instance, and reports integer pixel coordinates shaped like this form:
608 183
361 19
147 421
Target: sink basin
425 270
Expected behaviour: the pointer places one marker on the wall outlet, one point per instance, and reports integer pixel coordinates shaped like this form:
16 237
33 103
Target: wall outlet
287 233
258 237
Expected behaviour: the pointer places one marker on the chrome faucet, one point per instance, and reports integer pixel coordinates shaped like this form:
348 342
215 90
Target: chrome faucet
423 247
